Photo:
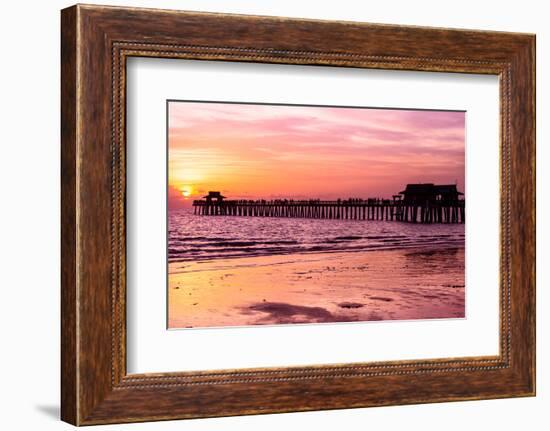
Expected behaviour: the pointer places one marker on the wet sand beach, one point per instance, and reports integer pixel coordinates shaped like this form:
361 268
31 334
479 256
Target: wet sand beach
399 284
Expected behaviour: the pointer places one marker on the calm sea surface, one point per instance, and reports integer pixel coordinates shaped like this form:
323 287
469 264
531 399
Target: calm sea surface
193 237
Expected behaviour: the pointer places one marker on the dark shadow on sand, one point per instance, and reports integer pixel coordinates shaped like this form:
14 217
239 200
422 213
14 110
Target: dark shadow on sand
281 313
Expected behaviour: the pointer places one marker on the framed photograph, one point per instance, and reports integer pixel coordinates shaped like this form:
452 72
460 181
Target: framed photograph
286 248
263 214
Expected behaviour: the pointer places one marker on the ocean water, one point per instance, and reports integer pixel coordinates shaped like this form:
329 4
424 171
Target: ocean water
201 238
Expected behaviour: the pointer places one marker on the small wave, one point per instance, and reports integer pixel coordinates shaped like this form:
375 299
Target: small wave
385 236
347 238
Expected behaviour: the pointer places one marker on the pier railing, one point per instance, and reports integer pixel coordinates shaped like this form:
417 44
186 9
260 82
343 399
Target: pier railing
349 209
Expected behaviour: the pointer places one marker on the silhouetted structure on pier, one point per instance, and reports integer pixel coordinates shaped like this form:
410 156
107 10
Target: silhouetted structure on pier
418 203
428 192
214 197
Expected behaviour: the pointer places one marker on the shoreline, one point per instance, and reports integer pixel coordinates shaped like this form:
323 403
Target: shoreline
413 247
398 284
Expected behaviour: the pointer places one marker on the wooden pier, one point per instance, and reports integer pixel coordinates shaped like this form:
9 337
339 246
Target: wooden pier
349 209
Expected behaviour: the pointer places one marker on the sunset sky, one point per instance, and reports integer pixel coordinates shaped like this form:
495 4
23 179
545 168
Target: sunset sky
266 151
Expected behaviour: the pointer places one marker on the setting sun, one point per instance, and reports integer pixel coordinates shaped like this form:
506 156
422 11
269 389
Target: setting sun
186 191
